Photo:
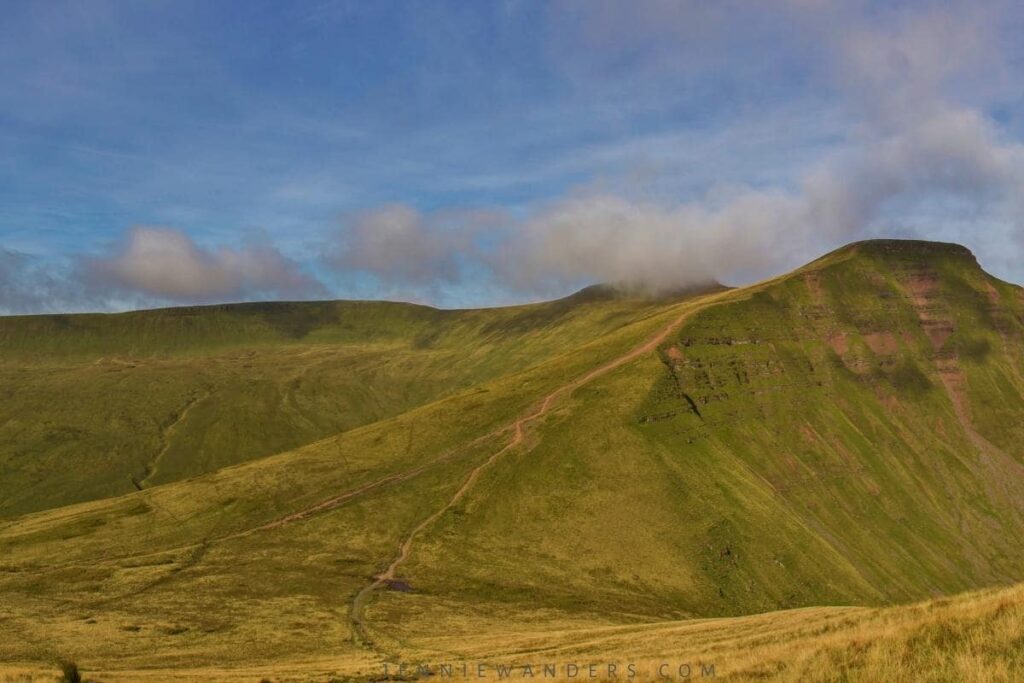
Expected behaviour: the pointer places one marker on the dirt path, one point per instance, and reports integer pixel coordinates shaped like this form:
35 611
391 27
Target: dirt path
152 467
340 499
518 434
518 429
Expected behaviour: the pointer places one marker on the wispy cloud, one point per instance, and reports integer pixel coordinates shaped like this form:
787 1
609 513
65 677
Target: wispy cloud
477 153
165 263
911 83
29 284
151 266
399 244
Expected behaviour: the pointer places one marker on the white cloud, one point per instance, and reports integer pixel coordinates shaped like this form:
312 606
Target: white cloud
913 83
165 263
399 244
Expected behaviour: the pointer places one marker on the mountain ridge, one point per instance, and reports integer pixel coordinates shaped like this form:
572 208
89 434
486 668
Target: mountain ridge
847 434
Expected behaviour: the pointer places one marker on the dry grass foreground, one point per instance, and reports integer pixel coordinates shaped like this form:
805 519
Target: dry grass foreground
977 636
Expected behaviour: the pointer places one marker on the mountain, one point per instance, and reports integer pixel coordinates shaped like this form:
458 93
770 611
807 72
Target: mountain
100 405
329 486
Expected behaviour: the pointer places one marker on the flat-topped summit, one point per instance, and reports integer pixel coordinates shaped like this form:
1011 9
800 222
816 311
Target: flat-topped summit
909 248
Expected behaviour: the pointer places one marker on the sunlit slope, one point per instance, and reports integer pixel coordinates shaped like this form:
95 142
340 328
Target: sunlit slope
260 560
97 405
976 636
848 434
971 637
844 435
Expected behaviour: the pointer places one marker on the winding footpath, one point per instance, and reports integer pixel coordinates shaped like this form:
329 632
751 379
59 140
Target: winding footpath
165 438
518 428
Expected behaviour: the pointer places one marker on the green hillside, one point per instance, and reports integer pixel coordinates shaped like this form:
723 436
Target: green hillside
848 434
98 405
540 477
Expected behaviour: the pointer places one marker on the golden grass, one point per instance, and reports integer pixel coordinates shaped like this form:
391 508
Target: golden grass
977 636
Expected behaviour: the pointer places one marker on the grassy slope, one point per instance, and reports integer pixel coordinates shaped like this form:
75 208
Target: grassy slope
89 403
843 453
159 576
975 637
809 476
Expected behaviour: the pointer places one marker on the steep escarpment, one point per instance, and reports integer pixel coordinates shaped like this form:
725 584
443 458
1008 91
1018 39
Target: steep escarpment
878 394
823 438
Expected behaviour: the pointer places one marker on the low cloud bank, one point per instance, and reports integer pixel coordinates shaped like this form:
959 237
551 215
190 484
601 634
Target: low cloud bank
400 244
151 266
917 144
917 87
165 263
28 285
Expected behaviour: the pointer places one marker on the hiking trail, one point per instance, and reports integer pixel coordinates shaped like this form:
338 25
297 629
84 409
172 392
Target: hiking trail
518 428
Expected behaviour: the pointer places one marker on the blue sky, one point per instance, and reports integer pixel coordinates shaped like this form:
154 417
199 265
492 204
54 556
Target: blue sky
457 153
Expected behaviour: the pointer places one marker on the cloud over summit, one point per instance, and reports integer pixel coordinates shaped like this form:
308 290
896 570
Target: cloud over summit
913 84
465 155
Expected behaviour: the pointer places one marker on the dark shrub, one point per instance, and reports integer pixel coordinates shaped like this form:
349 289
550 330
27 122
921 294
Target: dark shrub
71 673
